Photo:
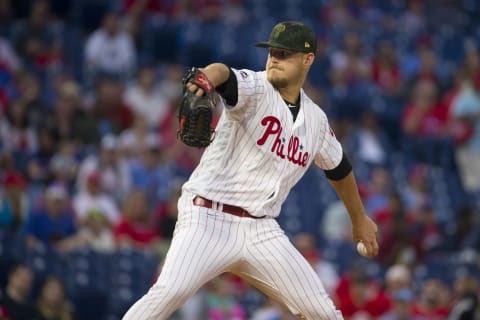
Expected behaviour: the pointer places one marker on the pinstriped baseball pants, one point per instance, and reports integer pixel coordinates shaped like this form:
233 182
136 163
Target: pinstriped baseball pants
207 243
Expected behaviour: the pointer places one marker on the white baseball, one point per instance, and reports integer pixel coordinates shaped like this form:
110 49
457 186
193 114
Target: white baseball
361 249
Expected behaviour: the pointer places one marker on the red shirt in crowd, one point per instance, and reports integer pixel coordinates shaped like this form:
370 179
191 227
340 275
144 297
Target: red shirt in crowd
387 78
433 121
435 314
375 304
140 233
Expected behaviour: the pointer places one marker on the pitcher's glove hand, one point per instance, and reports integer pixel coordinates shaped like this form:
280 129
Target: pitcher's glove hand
195 113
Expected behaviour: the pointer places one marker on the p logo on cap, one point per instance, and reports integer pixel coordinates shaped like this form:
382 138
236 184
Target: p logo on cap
277 30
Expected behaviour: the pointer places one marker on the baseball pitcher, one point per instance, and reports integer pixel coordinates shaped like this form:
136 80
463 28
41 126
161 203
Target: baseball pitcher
268 135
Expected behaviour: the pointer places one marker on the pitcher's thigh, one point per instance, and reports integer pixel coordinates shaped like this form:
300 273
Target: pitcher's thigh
277 268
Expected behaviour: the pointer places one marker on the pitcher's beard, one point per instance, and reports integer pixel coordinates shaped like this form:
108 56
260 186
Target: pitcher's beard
279 83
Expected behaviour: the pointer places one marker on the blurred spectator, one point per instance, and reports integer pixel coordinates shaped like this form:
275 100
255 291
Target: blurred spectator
14 204
433 302
358 295
429 69
205 10
395 226
424 116
466 107
73 121
411 59
305 244
461 129
271 310
152 174
112 114
146 99
96 214
398 277
166 214
170 86
371 143
36 39
94 198
16 132
425 124
467 231
110 49
412 20
378 190
220 300
369 15
9 66
471 63
337 14
64 165
385 70
233 12
53 223
17 294
415 194
335 225
135 229
401 306
465 306
135 139
51 303
111 166
69 120
39 162
146 8
351 61
427 233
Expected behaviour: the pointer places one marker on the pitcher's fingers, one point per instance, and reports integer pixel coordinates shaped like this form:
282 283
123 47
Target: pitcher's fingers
373 248
192 87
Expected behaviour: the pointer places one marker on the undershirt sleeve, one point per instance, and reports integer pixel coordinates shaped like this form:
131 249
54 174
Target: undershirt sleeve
229 89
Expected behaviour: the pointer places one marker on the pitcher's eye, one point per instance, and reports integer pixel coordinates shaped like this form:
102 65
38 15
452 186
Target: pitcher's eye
280 54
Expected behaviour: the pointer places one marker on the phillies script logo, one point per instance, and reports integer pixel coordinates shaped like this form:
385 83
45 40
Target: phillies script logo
293 150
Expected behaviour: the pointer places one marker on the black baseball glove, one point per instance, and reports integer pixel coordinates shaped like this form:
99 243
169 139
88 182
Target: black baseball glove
195 113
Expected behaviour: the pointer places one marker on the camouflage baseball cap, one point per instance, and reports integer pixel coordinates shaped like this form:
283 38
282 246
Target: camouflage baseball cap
291 35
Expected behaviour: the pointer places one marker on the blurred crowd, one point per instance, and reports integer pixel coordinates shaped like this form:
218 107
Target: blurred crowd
90 161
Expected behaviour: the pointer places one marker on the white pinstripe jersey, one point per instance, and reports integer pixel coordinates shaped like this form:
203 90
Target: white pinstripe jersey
259 153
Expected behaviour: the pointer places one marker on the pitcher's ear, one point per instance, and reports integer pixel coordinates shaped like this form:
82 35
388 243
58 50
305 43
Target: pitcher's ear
308 59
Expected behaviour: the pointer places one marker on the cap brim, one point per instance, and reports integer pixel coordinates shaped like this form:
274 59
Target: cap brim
270 45
278 46
262 44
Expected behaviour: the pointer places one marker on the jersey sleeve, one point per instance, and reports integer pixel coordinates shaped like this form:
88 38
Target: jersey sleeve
329 152
250 86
